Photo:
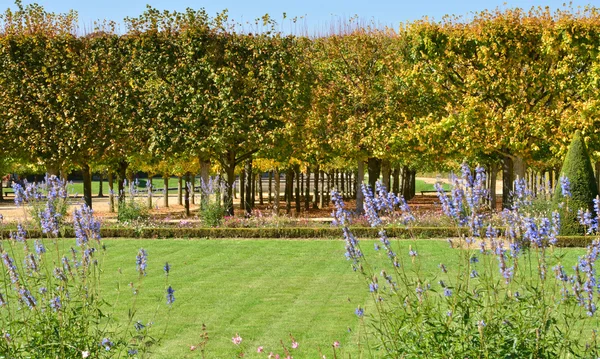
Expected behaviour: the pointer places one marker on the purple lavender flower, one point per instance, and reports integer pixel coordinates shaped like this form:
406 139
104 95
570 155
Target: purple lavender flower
55 304
373 287
170 295
167 268
359 312
565 186
447 292
141 261
26 298
85 225
11 267
39 247
107 344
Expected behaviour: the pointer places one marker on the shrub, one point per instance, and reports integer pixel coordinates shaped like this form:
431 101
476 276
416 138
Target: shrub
211 212
132 209
500 301
47 202
577 168
51 305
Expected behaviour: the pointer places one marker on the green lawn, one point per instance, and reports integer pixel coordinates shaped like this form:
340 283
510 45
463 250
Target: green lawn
77 186
262 289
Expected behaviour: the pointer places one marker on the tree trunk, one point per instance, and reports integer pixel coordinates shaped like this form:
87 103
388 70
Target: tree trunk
122 176
204 172
52 169
374 168
406 183
289 187
519 167
396 177
307 190
180 190
248 190
386 172
321 197
87 184
276 192
316 199
166 190
493 178
243 189
330 185
343 184
297 195
149 188
111 192
413 183
101 186
270 186
253 197
360 177
192 185
507 181
187 194
260 190
598 175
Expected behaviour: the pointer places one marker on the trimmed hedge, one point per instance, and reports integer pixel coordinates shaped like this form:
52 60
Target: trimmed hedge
577 167
290 232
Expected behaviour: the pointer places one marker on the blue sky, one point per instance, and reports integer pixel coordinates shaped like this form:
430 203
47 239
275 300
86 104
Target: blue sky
319 15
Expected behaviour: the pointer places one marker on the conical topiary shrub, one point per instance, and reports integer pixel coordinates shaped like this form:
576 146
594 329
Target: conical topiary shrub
577 167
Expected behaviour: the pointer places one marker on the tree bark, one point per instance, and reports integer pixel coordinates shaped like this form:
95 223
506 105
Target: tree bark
270 186
413 183
321 199
493 178
180 190
260 190
374 169
386 172
289 186
87 184
316 199
307 190
343 184
297 195
360 177
243 189
101 185
406 183
507 181
598 175
149 188
276 191
396 178
248 190
111 192
519 167
122 176
187 194
166 190
192 188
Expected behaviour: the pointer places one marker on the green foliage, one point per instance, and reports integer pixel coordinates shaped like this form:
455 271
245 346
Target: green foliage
211 213
132 208
578 169
497 300
51 301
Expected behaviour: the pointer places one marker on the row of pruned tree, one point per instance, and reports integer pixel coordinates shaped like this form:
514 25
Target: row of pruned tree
179 93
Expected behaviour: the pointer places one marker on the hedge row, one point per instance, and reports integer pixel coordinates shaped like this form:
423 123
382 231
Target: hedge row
287 232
